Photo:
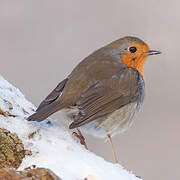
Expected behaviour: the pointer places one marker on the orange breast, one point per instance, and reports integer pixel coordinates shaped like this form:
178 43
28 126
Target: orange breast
136 60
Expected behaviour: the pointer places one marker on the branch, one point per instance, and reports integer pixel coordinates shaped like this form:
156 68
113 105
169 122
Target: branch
52 145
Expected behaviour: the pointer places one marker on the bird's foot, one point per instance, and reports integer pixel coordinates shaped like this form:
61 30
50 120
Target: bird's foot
3 113
79 135
139 177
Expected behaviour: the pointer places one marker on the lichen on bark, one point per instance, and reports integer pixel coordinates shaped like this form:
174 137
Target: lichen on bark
11 150
30 174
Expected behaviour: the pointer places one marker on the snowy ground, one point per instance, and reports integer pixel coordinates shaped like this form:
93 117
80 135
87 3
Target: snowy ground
53 146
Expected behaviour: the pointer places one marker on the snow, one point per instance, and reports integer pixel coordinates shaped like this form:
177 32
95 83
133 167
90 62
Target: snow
53 145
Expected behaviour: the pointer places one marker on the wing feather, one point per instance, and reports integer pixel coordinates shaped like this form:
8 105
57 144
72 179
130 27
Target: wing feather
107 96
53 95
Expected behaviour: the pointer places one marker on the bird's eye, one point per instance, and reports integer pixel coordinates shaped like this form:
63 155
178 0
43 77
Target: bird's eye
132 49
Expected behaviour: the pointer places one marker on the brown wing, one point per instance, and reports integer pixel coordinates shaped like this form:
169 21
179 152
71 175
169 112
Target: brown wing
105 97
53 95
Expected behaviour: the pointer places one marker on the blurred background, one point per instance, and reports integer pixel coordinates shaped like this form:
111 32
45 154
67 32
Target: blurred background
41 42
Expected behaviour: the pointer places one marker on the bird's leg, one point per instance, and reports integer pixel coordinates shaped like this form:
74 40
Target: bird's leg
3 113
113 149
81 138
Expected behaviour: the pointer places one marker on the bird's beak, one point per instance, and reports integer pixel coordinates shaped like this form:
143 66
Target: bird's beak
152 52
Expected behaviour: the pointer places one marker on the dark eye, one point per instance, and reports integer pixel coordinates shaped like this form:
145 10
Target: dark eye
132 49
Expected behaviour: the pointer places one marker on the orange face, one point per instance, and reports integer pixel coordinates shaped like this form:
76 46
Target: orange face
135 57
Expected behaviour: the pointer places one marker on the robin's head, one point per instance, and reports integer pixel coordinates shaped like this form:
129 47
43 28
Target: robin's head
133 52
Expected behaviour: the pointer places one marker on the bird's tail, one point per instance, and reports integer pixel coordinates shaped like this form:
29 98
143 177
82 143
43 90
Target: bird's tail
45 112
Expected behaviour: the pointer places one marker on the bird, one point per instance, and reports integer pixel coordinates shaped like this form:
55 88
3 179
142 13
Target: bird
104 92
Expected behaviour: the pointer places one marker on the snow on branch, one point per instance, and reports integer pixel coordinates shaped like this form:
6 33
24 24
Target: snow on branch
51 144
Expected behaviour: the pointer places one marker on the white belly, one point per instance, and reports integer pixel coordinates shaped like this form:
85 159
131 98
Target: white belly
117 122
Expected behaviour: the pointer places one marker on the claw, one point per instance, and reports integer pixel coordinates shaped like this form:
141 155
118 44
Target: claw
80 137
3 113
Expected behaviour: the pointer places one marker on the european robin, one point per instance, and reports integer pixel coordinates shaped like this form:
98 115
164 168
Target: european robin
104 91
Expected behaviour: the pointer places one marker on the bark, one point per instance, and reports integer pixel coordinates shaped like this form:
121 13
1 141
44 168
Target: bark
29 174
11 150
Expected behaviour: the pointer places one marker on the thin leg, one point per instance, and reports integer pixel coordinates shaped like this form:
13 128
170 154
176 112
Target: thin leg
3 113
81 138
113 149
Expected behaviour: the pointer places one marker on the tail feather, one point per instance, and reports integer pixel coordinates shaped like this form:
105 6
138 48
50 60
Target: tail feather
45 112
